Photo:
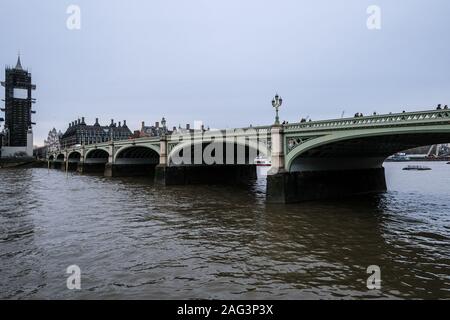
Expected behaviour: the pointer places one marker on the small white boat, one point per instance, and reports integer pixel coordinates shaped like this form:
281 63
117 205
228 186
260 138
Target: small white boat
418 168
262 162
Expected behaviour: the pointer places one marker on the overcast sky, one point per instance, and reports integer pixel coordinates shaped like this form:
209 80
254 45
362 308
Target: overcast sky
221 61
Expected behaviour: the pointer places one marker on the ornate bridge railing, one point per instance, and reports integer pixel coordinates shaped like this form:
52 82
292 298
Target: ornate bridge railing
374 120
260 130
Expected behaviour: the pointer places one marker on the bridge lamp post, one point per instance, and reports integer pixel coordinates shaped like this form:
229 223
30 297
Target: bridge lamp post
276 103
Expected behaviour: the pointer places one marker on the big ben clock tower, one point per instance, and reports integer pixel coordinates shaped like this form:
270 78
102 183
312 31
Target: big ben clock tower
18 135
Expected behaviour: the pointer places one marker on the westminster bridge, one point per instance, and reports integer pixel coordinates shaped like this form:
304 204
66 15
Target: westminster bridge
309 160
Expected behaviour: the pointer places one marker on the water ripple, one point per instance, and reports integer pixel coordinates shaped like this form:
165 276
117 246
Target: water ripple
132 239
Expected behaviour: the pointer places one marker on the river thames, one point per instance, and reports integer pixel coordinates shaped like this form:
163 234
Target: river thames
132 239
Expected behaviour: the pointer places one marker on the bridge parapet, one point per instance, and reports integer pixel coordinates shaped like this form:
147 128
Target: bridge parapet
404 118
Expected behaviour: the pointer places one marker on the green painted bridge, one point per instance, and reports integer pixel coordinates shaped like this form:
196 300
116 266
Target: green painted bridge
310 160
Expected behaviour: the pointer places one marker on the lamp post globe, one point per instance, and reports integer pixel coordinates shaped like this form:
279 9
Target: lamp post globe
276 103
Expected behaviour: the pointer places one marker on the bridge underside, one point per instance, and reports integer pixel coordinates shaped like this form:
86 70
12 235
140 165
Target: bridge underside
205 174
343 168
58 162
360 153
94 163
133 161
232 165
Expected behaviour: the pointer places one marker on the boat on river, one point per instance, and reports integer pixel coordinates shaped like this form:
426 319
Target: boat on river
262 162
417 168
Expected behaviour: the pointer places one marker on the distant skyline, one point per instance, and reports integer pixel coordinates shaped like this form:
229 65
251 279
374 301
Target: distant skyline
222 61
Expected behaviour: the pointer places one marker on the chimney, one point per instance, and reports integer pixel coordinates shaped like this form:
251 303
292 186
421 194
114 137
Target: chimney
124 123
157 124
82 120
96 120
188 126
79 121
142 125
112 122
120 125
70 124
174 129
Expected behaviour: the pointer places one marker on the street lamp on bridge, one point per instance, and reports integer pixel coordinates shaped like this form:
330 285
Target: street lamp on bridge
276 103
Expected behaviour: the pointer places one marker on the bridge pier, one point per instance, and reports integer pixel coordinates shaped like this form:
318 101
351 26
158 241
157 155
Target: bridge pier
86 167
80 167
72 166
204 174
58 165
63 165
290 187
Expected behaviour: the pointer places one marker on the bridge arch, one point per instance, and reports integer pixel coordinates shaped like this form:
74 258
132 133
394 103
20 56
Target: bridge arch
137 154
358 149
96 155
251 148
60 157
51 158
74 156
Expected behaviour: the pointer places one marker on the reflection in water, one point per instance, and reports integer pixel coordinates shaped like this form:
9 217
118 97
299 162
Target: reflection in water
132 239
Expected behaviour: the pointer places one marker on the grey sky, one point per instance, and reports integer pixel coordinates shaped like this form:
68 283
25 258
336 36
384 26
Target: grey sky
221 61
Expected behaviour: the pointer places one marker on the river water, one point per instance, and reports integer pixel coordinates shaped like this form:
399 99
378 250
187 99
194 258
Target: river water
132 239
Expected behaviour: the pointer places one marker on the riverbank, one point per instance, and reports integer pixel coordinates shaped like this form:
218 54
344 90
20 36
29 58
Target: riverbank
22 163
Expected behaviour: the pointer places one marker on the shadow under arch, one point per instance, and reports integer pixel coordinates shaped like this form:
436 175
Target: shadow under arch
233 153
137 155
210 162
358 151
74 156
133 161
73 159
94 161
96 156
